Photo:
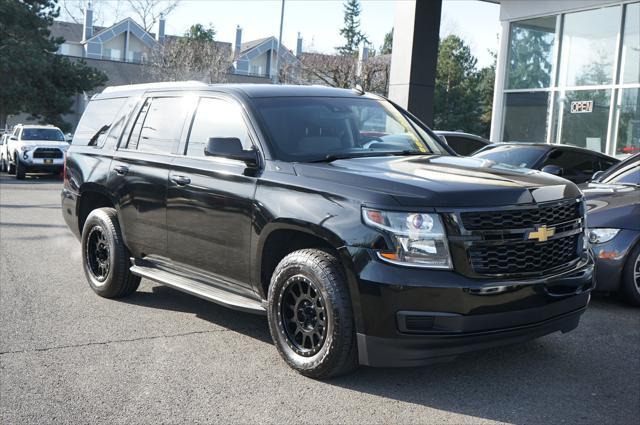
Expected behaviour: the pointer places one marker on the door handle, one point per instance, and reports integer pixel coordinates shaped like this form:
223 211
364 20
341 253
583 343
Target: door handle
181 180
121 170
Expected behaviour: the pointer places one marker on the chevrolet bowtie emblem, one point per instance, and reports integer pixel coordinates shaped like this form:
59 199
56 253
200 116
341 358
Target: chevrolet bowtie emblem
543 233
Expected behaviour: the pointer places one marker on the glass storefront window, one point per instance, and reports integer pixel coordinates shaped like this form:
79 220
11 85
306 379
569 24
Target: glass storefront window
589 47
583 118
630 66
525 117
628 122
531 53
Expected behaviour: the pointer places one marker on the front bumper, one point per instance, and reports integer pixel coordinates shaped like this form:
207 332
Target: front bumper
411 317
611 257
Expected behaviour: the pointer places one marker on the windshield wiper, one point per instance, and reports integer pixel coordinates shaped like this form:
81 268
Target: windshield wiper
335 157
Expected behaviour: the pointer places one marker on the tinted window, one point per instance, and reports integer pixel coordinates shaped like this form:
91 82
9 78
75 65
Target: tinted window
51 134
99 113
464 146
216 118
134 136
631 176
517 156
160 132
311 128
573 161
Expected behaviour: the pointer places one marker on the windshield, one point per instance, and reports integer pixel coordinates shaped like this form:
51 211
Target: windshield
518 156
623 172
52 134
310 129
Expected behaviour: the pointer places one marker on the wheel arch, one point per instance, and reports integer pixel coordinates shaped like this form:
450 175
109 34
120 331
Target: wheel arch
282 237
92 196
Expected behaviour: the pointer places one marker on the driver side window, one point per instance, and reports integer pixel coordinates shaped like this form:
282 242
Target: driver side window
216 118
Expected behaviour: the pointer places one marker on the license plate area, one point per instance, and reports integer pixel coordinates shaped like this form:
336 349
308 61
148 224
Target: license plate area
48 161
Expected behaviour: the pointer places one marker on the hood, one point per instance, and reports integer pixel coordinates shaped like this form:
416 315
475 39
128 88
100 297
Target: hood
44 143
443 181
614 206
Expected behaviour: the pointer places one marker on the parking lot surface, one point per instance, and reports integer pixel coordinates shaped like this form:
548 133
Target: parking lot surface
67 355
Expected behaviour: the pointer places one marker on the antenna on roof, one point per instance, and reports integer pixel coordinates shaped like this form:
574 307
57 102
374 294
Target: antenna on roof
358 89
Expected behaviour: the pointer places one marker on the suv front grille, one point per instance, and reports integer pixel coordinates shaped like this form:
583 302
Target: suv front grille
49 153
523 257
517 219
497 242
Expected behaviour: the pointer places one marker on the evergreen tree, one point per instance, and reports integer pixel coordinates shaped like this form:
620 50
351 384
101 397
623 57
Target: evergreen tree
530 58
456 101
387 45
351 30
34 78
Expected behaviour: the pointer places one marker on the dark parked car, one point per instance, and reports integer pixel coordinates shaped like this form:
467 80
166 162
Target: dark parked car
613 201
362 243
463 144
571 162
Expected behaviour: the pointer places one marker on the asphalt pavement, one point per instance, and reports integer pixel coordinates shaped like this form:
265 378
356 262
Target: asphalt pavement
67 355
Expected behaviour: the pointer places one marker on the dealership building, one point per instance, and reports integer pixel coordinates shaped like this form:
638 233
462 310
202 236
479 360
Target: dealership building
567 71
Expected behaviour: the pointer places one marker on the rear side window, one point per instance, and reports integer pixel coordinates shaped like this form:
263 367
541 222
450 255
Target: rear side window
159 125
464 146
574 162
216 118
97 121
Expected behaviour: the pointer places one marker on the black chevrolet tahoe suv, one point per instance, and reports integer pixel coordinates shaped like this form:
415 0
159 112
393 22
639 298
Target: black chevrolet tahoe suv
335 213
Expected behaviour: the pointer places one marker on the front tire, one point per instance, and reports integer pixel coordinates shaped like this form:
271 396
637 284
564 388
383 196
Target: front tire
631 277
105 257
21 172
310 314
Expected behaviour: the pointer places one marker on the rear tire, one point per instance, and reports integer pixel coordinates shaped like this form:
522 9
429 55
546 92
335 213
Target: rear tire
631 277
310 315
21 172
3 165
105 257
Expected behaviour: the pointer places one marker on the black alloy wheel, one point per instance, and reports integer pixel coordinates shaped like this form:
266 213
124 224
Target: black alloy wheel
303 316
98 254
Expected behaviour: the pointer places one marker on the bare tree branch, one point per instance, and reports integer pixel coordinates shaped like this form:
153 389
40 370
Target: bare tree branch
104 12
342 71
148 12
180 59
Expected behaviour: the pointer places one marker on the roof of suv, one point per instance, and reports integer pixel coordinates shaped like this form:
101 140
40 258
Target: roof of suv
248 90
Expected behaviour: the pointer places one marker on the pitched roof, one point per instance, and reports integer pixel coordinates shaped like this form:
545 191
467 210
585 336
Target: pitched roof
70 31
253 43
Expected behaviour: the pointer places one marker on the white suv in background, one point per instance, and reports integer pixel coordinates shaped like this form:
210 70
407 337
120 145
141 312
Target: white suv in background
36 149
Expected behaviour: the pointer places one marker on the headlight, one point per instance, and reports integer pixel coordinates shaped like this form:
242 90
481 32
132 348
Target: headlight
25 148
419 238
602 235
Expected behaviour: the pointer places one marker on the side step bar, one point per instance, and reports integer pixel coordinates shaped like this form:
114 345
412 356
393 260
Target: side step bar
202 290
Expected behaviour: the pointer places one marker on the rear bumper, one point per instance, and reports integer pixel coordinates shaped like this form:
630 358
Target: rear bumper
69 202
412 317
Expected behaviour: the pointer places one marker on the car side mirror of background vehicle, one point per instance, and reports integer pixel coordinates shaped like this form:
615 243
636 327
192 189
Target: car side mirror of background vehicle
13 137
553 169
597 175
230 147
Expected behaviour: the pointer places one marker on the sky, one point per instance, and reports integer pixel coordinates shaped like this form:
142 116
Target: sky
319 21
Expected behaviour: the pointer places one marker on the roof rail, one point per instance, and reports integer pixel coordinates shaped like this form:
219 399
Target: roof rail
150 86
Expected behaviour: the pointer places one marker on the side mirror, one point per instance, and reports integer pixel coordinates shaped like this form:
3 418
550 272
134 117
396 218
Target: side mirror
230 147
597 175
553 169
13 137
